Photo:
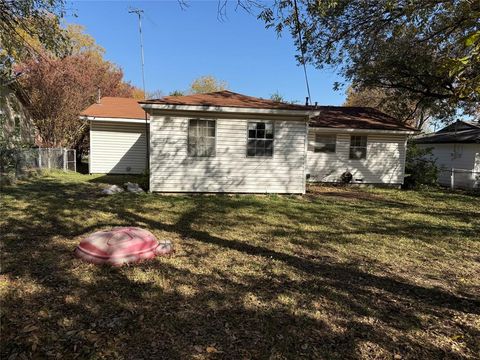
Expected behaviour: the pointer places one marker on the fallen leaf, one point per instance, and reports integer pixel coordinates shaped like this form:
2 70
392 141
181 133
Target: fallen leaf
29 328
211 349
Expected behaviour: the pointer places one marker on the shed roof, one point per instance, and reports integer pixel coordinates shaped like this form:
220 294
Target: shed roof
115 107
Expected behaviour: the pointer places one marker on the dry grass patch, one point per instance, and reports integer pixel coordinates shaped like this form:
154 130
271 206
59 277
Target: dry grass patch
339 273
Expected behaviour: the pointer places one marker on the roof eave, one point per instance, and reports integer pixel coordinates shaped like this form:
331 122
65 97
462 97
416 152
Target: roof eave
361 130
112 119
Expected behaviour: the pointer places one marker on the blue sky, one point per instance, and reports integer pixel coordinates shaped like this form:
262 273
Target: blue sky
181 45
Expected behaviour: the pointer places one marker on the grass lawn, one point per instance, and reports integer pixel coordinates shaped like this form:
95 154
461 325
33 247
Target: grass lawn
336 274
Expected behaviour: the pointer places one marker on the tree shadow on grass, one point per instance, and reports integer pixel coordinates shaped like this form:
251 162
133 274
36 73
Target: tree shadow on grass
166 308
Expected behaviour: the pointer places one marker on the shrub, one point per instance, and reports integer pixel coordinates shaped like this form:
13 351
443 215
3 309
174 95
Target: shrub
346 177
420 167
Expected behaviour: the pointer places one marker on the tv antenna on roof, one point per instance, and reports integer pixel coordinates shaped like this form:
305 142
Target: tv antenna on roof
302 52
139 13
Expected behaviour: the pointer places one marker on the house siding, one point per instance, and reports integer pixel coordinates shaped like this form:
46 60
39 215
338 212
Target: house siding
172 170
469 160
117 148
384 163
11 110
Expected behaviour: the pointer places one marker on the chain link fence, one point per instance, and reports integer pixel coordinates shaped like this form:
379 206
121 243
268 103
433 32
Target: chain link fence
18 162
464 179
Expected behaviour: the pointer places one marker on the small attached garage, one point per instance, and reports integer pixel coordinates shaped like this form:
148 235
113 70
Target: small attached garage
118 141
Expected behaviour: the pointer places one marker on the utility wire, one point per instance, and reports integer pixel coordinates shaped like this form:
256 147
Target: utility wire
301 49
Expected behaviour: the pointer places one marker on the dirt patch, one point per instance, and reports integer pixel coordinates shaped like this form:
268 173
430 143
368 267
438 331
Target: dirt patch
343 192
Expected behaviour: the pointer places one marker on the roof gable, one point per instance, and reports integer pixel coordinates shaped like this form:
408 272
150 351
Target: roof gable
459 125
463 136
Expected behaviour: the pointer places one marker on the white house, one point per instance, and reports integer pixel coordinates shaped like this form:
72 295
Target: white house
363 141
456 148
229 142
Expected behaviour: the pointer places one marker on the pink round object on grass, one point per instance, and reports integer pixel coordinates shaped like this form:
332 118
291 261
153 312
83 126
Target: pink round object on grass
121 246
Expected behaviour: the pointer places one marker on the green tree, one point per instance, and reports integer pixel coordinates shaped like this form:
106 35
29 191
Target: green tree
206 84
425 50
176 93
155 94
276 96
80 42
420 167
26 26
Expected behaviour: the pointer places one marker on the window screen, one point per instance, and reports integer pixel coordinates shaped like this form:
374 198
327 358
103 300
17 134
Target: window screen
358 147
260 139
201 138
325 143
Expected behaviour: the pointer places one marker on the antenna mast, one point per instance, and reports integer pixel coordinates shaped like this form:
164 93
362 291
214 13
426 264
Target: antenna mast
300 41
139 13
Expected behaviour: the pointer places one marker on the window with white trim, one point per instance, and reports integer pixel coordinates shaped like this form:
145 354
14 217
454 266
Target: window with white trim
358 147
201 138
260 136
325 143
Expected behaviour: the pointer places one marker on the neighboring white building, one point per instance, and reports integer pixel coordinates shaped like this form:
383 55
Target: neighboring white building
16 124
456 148
233 143
117 136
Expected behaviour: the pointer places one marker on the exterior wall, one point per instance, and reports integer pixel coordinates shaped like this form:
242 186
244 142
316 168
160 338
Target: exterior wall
117 148
445 160
16 124
384 164
231 171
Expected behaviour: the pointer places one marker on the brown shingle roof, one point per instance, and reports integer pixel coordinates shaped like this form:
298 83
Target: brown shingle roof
115 107
341 117
349 117
225 98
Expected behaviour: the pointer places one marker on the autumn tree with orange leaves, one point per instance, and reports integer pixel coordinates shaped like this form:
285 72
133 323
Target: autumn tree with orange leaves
60 87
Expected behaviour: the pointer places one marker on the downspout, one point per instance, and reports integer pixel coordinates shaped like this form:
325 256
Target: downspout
305 155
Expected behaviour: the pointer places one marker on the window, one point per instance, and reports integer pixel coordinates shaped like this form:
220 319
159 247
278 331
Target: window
260 139
358 147
325 143
201 138
17 123
457 151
